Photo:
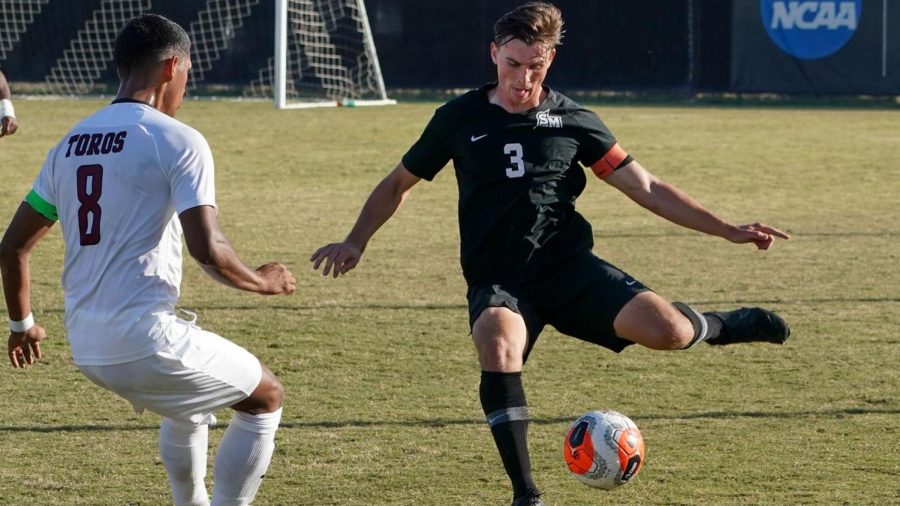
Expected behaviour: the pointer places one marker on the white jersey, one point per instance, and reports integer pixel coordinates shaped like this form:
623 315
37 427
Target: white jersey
116 182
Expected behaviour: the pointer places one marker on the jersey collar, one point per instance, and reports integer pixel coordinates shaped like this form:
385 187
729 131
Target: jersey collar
126 100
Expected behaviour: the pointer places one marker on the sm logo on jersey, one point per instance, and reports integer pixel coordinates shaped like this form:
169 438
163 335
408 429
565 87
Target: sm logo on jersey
810 29
545 119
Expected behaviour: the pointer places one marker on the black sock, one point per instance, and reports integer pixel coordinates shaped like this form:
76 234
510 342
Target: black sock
503 401
715 325
707 326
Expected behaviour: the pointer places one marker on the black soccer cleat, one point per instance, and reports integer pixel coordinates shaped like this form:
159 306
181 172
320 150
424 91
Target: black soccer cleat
531 499
751 325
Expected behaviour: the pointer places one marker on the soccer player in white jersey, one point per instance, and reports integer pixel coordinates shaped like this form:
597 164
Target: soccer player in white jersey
123 183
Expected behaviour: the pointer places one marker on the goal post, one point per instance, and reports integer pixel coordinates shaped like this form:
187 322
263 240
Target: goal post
324 56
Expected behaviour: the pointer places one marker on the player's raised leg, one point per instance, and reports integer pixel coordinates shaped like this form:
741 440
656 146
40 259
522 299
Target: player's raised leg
651 321
247 446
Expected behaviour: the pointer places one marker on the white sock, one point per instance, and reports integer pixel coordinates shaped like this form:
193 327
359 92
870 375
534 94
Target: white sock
183 447
243 457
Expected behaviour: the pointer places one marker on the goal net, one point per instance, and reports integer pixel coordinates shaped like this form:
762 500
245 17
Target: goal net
15 16
298 53
324 55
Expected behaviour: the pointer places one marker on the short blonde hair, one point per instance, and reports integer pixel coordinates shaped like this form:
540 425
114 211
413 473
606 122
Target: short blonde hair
533 22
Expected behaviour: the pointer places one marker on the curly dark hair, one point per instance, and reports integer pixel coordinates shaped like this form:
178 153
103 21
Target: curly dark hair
149 38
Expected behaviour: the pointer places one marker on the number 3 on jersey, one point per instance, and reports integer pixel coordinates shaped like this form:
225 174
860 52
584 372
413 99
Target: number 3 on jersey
90 186
515 152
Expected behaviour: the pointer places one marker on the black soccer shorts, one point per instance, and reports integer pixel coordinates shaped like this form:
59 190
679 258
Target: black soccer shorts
581 299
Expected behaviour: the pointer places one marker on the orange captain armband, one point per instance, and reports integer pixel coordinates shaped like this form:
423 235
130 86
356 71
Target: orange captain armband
609 162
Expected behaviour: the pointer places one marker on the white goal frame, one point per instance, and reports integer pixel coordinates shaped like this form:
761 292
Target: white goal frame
280 75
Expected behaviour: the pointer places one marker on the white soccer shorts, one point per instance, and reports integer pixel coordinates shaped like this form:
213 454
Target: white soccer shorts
196 375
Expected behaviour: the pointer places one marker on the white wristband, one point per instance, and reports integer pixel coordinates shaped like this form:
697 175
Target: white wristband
23 325
6 108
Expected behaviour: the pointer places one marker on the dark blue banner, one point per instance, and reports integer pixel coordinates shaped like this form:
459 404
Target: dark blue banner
816 46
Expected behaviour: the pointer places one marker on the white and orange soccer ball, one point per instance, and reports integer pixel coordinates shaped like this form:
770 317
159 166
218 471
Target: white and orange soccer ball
604 449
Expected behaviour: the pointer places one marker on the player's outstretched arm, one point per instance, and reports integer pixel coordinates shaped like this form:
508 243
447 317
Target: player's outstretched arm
208 246
25 230
385 199
678 207
8 124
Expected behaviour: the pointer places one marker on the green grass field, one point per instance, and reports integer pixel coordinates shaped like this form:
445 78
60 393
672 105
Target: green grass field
380 374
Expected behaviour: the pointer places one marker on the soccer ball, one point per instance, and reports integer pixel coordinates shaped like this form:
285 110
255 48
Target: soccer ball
604 449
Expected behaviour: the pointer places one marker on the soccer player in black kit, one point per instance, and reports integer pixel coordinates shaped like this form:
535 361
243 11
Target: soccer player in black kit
519 148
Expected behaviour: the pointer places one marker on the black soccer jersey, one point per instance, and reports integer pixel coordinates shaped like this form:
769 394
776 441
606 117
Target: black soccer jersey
518 177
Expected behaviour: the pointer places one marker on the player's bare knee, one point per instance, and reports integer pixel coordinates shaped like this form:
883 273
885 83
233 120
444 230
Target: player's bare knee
268 396
274 397
668 334
497 352
682 334
675 331
486 346
498 357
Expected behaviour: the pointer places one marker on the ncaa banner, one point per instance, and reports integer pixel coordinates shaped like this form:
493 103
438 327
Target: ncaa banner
816 46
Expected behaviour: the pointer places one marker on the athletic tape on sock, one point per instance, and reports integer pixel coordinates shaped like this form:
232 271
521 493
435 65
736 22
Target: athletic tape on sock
507 415
701 328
